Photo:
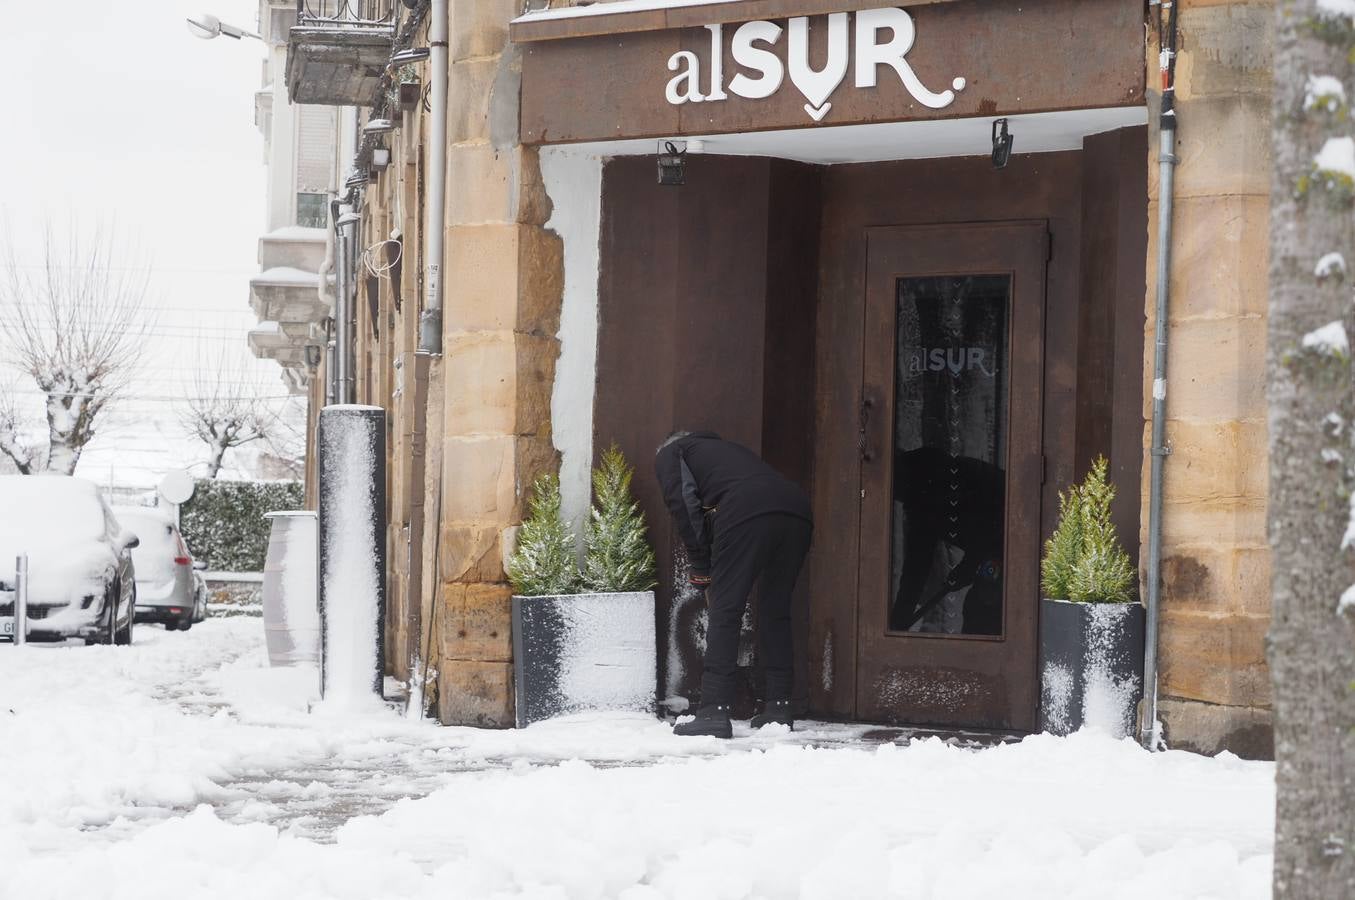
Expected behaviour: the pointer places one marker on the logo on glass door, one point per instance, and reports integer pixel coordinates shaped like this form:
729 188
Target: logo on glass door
950 433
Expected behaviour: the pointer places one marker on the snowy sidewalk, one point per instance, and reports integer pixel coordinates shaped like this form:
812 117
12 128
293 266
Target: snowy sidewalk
183 768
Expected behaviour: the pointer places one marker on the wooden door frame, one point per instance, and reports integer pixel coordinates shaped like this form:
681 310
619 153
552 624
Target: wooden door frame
989 681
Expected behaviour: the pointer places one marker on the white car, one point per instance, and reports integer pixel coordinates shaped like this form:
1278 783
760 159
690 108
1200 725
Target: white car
81 580
166 590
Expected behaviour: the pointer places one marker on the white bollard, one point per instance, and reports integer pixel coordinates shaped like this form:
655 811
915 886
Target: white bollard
21 600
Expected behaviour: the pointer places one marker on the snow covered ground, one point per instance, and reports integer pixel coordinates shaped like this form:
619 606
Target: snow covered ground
183 768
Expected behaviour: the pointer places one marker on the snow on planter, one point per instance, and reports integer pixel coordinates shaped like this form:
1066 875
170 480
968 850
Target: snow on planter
583 652
291 614
352 552
1091 666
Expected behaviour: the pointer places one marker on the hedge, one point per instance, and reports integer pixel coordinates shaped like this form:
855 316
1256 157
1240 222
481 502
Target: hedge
224 522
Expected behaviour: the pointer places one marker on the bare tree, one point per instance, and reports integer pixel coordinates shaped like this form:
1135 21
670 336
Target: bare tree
76 325
228 407
1312 412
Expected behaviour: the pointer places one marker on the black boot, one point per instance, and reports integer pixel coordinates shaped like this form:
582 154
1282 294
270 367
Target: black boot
774 711
711 721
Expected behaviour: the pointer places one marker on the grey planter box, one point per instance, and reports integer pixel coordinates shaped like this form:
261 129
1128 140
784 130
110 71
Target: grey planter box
1091 666
582 653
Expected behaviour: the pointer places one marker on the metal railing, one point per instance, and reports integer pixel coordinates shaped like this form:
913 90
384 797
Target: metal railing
346 12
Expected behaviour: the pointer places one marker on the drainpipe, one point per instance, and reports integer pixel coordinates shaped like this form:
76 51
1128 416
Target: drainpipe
430 320
343 308
1148 729
326 295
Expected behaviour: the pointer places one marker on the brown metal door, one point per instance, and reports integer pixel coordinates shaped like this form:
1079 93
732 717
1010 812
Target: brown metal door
950 475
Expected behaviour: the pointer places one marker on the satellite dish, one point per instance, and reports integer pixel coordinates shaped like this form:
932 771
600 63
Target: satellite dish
177 486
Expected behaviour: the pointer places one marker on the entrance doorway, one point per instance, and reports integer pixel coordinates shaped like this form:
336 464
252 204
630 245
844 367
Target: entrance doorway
951 474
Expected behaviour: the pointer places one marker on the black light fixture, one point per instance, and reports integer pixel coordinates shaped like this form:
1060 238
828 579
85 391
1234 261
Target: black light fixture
1002 144
672 165
312 352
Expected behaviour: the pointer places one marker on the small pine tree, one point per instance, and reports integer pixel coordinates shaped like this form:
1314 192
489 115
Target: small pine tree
617 556
1084 561
544 561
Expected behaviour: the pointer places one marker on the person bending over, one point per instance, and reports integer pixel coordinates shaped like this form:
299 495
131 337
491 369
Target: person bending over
743 525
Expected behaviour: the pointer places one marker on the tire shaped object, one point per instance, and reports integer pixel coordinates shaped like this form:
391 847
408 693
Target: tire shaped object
123 636
110 634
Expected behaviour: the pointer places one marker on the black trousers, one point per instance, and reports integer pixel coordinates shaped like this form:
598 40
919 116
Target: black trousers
766 551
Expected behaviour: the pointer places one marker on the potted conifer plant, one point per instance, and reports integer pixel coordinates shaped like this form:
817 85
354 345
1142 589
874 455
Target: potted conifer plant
584 640
1091 625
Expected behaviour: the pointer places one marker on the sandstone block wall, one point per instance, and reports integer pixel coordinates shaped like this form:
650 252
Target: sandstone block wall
1214 684
501 311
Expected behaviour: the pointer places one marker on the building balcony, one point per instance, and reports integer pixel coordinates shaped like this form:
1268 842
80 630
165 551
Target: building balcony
294 247
287 294
268 342
338 50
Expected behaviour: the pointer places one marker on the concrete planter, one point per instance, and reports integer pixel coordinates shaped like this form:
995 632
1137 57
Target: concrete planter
1091 666
584 652
291 616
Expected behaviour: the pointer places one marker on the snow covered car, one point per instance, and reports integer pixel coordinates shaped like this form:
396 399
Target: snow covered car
81 579
166 590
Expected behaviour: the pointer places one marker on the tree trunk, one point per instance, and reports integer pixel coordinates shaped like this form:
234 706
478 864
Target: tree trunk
219 448
1312 643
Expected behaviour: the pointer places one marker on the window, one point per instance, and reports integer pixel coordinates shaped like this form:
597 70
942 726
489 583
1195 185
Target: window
312 210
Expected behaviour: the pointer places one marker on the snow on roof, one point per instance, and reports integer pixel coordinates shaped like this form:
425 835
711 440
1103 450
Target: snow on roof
621 6
295 233
286 275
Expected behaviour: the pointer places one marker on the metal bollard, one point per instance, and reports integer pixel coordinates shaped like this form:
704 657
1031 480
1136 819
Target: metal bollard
21 600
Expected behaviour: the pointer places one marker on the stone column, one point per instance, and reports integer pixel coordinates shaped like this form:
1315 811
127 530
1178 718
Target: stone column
504 275
1214 684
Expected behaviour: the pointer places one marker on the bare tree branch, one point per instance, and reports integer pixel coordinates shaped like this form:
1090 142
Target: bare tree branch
225 409
79 329
12 443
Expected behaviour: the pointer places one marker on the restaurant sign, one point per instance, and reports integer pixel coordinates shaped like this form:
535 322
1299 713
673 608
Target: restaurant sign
882 37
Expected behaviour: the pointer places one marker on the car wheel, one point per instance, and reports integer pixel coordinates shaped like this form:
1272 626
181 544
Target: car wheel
184 626
110 624
123 636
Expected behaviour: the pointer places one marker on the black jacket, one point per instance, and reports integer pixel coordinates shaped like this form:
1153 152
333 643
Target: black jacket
710 483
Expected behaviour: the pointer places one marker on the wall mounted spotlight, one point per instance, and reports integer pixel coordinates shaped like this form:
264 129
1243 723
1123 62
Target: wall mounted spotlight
313 352
672 165
1002 144
410 55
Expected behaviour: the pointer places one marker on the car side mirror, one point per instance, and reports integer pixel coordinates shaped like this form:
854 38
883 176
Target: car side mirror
133 543
200 565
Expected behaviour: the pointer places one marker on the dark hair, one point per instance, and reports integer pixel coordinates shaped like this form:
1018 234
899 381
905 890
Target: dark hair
674 436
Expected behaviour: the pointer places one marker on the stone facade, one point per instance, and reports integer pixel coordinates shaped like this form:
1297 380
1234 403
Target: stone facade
471 430
1214 684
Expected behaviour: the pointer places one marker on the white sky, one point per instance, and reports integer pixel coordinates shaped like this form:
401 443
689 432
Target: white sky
116 114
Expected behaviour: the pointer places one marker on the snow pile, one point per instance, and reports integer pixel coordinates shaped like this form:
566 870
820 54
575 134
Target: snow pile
153 558
1330 264
107 750
1337 155
1329 340
1324 92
